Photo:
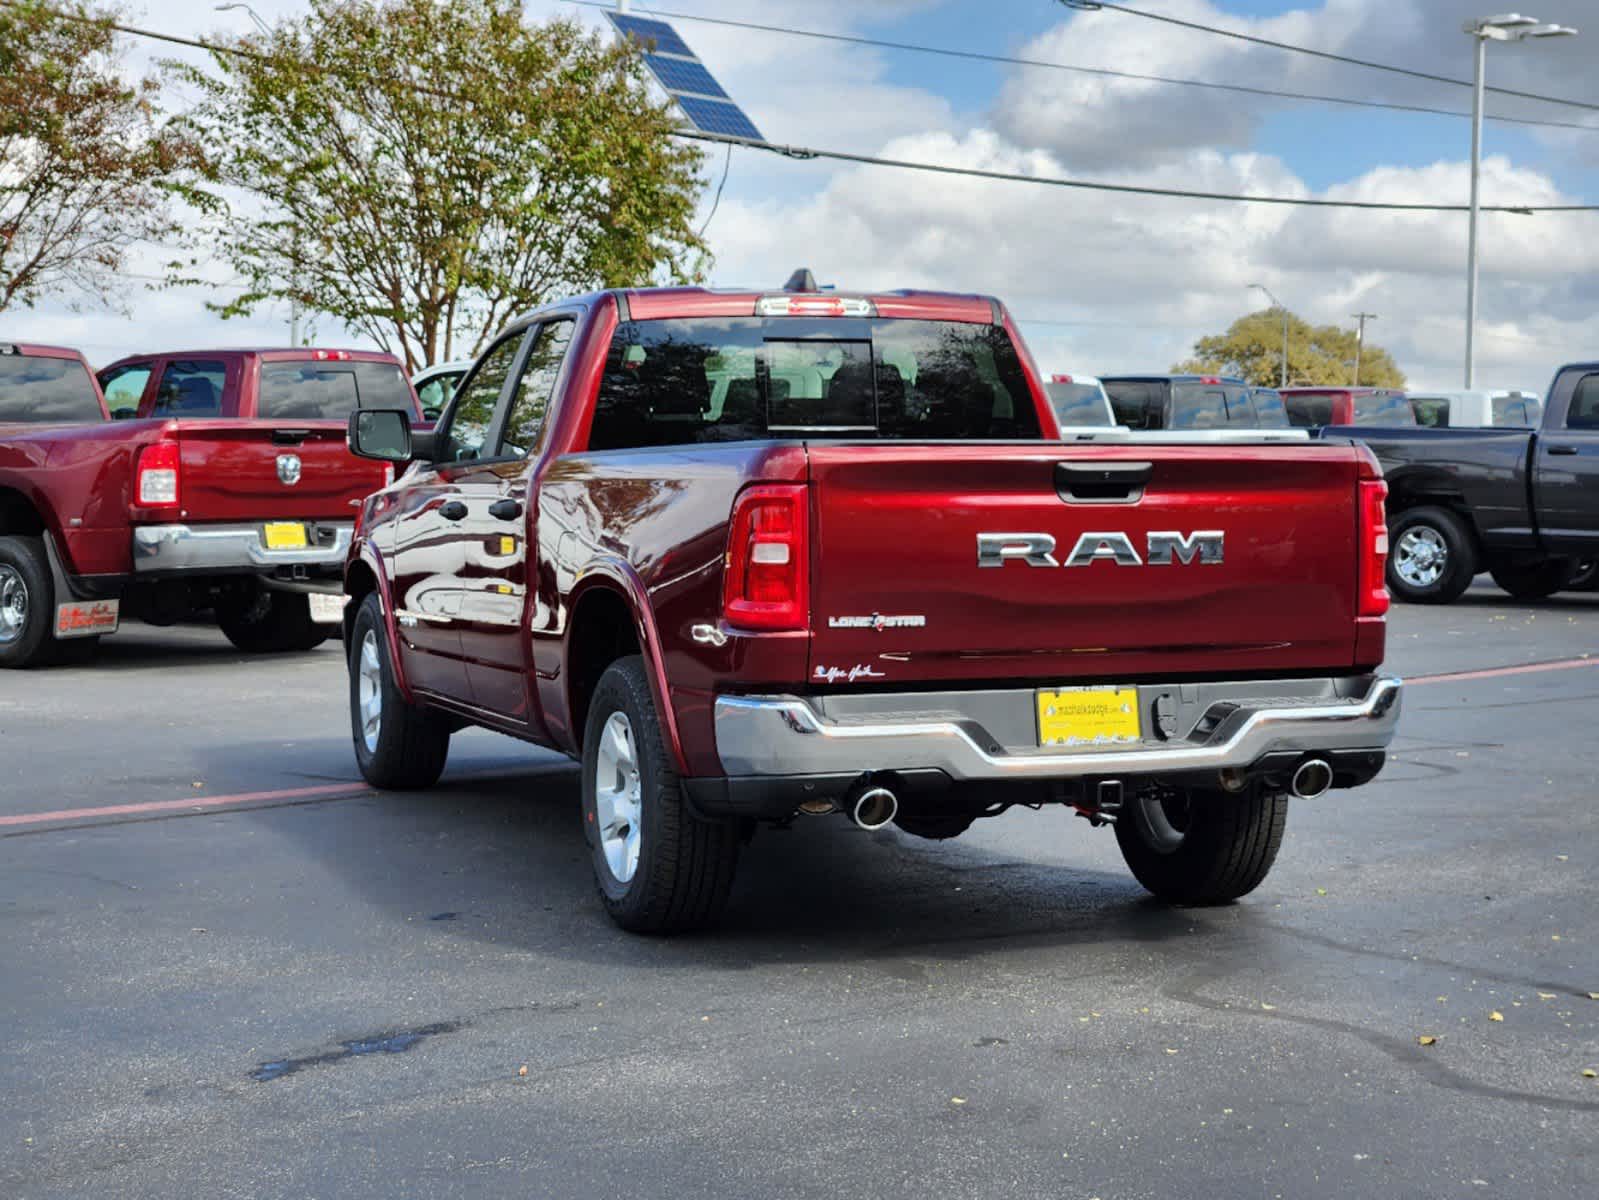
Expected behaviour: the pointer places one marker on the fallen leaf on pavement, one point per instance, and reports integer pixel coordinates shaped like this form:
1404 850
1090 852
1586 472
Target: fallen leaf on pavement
1268 1007
522 1071
1427 1039
1546 995
1496 1015
956 1100
1590 1073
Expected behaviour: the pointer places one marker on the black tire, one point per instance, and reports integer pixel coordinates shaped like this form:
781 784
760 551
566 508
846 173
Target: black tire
28 597
1452 556
1534 581
935 827
682 867
1214 847
270 622
408 750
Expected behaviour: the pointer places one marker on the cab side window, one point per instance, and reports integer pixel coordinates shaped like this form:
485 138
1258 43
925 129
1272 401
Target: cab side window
535 387
466 424
1584 410
191 388
124 388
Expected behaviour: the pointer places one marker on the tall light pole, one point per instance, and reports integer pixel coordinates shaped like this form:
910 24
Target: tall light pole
1279 304
1360 339
1507 27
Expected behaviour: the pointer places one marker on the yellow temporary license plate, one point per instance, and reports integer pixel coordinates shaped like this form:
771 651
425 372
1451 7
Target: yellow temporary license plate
1088 716
285 535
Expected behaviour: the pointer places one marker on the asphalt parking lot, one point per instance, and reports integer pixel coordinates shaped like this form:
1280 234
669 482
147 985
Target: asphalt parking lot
245 975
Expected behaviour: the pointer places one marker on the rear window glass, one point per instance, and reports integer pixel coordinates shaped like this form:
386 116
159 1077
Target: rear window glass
1198 406
1516 408
1269 407
1239 409
1431 411
680 382
1384 408
41 390
1132 402
1078 404
1309 412
315 391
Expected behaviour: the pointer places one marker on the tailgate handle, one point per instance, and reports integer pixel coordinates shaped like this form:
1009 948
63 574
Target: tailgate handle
1102 482
289 437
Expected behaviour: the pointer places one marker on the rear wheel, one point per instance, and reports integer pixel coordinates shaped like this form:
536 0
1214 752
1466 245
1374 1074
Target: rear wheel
1431 556
270 622
659 869
1533 581
398 745
1198 846
27 603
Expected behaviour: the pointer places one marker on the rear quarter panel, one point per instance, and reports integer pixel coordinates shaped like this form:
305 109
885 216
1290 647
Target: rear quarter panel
80 479
653 524
1482 472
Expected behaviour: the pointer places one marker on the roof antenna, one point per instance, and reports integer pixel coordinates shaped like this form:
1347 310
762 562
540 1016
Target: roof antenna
801 281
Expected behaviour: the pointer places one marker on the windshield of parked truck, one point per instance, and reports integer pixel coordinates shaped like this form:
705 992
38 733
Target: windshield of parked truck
46 390
679 382
1384 408
329 390
1078 404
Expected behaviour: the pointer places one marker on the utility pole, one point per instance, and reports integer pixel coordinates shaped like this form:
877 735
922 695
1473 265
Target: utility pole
1360 339
1278 304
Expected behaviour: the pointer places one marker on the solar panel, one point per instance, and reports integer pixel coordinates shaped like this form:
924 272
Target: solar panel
718 116
682 75
676 68
652 35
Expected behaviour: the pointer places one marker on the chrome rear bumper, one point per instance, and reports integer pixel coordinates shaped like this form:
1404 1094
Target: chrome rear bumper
201 548
979 735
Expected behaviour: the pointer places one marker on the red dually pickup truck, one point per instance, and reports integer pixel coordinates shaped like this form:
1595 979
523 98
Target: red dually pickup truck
755 555
230 491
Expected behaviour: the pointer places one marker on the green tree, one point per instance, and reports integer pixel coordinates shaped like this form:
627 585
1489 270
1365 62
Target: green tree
421 170
87 168
1252 348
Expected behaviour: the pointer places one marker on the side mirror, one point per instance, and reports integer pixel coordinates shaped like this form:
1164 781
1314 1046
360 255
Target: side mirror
380 433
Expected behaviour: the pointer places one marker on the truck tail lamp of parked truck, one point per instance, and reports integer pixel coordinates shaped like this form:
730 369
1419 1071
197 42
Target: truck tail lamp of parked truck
156 480
767 582
757 558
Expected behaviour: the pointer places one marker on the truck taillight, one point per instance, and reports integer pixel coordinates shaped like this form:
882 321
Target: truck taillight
766 584
155 482
1373 548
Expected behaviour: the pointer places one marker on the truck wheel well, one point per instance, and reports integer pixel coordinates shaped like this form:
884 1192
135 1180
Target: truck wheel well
602 632
1401 499
18 517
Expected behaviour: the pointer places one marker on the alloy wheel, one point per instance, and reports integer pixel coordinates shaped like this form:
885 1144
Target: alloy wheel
619 797
1421 556
369 691
13 604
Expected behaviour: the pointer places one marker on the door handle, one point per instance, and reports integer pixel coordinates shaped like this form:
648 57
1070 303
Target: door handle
1562 450
452 510
505 510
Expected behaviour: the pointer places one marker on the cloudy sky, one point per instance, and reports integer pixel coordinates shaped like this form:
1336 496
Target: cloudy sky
1106 282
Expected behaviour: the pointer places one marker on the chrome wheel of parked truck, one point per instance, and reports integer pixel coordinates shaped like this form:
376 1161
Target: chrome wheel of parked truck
13 604
755 557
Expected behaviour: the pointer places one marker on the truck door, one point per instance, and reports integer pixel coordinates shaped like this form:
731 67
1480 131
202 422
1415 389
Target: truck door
496 576
432 549
1566 470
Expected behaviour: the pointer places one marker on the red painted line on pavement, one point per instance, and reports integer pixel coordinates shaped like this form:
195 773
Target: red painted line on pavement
191 804
1563 664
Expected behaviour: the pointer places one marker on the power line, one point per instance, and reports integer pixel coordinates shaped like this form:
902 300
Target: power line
1094 5
1105 72
807 152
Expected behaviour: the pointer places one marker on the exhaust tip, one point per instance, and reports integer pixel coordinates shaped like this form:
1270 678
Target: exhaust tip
874 808
1313 777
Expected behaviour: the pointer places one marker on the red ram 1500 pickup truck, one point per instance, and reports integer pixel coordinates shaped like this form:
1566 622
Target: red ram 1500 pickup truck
231 491
756 555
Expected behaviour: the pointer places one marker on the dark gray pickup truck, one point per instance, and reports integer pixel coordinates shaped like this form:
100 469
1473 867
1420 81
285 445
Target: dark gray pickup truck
1522 506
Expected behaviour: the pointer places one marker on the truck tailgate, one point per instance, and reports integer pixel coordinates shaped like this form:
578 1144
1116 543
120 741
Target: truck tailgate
235 470
898 595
